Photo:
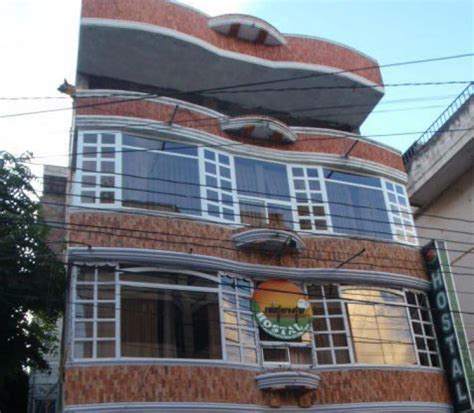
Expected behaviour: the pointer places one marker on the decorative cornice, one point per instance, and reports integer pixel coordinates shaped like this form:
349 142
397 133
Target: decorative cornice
223 364
173 259
191 135
284 380
176 407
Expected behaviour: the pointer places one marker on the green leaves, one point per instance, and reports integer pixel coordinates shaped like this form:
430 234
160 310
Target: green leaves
32 280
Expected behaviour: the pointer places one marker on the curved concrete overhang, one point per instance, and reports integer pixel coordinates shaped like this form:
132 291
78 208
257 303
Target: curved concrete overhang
257 127
197 262
247 28
163 129
268 240
288 380
178 64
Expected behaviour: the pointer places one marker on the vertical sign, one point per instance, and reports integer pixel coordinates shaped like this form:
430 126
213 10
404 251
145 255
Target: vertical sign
448 322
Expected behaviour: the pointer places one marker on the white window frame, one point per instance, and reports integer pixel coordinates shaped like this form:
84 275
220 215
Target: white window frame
294 205
205 201
407 224
329 331
94 302
80 170
117 302
238 312
425 337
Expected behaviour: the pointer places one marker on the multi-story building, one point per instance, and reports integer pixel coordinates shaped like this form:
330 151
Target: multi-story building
440 166
234 243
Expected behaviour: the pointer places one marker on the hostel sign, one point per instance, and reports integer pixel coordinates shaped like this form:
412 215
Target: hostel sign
448 321
281 309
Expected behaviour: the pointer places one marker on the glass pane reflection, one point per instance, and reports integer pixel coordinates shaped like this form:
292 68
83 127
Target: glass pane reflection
380 332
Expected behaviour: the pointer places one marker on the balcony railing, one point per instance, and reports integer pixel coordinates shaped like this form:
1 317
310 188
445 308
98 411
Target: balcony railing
437 127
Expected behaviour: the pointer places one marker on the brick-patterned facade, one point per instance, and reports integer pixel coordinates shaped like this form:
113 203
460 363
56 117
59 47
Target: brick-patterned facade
155 383
115 380
121 230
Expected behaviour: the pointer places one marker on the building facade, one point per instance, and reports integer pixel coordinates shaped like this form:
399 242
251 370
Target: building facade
440 168
233 243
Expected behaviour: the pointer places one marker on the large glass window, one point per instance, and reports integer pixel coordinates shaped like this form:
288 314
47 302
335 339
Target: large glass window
380 327
264 193
357 209
169 323
116 169
124 311
169 316
134 312
165 179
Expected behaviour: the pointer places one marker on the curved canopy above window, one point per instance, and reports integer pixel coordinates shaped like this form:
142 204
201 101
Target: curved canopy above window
284 380
259 128
266 239
247 28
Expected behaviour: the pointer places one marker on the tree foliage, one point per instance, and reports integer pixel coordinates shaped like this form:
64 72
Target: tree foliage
32 280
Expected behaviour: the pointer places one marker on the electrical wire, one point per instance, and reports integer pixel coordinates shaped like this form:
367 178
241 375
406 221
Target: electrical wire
284 207
76 227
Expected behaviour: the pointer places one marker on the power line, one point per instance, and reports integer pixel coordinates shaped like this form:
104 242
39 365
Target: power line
254 193
311 297
339 227
100 230
147 96
250 203
230 224
124 94
303 88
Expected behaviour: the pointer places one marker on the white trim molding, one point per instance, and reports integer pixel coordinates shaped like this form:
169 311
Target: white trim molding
283 380
197 262
176 407
269 240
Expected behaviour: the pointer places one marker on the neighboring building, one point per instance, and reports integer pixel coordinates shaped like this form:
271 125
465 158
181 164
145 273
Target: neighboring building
44 394
237 249
440 168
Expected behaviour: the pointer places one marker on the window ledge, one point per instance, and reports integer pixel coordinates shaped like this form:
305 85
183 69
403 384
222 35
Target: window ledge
286 380
269 240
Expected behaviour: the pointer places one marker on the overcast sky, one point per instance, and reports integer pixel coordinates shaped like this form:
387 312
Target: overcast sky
38 44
